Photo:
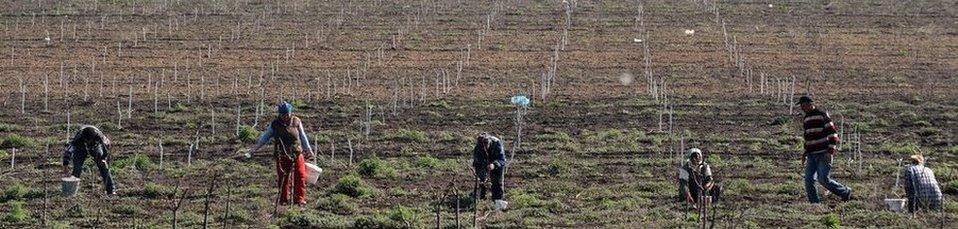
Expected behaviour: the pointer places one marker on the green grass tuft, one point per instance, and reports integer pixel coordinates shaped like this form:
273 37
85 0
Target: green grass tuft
247 134
17 141
375 167
352 185
16 214
404 135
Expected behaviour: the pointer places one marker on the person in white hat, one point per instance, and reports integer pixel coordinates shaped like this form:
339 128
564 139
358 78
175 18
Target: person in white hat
695 179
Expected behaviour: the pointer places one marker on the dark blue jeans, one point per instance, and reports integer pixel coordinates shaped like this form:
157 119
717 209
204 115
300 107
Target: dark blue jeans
497 187
818 167
80 156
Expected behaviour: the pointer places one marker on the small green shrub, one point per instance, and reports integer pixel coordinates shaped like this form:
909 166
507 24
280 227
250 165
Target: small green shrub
339 204
375 221
898 148
404 135
16 214
553 137
18 191
296 218
404 216
439 104
375 167
559 166
352 185
179 107
780 120
154 190
428 162
951 187
17 141
141 162
299 104
247 133
831 221
8 127
691 217
125 209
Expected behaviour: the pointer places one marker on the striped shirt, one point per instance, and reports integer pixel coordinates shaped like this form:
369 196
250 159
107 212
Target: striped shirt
922 188
820 134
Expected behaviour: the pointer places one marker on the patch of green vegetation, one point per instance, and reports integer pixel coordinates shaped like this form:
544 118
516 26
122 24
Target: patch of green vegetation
404 135
898 148
375 167
126 209
831 221
17 141
780 120
154 190
902 53
405 216
339 204
141 162
18 191
559 166
305 218
553 136
442 103
179 107
323 138
8 127
298 104
951 187
352 185
247 133
555 104
428 162
691 217
16 213
398 217
451 138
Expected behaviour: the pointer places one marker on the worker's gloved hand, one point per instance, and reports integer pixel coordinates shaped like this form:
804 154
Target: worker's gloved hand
492 166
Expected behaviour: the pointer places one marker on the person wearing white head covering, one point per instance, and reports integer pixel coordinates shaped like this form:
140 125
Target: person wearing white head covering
695 178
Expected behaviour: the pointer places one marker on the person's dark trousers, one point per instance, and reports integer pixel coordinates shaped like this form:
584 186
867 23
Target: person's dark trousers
497 186
715 192
80 156
818 167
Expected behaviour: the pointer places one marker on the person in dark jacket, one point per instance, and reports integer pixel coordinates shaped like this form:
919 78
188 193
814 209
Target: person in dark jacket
89 142
489 160
821 140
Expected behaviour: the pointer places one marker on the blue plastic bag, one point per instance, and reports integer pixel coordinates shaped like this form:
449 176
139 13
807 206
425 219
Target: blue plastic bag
520 100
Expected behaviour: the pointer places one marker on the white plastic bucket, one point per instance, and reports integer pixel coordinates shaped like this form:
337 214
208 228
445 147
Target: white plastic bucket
69 186
312 173
895 205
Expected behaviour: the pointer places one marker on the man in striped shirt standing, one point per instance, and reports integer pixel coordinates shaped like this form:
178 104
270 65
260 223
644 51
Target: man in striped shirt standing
821 139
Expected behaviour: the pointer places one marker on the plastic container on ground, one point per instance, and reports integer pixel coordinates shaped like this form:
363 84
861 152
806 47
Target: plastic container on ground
312 173
69 186
895 205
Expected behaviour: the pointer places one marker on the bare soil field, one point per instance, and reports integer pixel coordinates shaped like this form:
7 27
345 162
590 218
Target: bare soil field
393 93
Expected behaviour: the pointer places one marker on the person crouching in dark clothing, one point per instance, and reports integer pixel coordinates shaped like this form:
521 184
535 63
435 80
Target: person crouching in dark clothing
89 142
489 160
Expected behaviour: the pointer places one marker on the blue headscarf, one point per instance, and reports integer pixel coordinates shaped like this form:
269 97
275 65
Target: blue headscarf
285 108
